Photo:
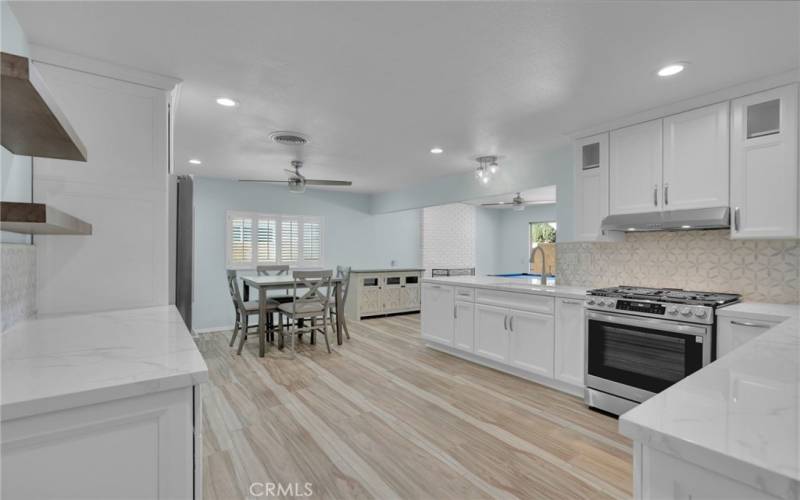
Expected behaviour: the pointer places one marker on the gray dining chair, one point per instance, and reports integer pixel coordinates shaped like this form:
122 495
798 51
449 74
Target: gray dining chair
244 310
311 300
342 272
275 270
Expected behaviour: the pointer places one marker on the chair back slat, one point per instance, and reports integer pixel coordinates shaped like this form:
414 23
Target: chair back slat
311 284
233 288
344 273
272 270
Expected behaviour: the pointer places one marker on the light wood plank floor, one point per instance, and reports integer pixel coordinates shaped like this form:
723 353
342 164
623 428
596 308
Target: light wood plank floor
386 417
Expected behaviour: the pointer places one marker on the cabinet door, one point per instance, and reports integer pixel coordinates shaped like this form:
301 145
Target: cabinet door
569 341
696 165
370 300
635 154
531 342
465 326
391 293
409 297
764 165
733 332
491 336
591 186
437 313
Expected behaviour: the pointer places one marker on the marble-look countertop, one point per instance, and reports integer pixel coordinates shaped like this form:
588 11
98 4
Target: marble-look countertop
738 416
58 362
388 270
524 285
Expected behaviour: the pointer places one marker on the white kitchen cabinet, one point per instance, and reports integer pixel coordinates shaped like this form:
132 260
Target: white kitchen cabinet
764 167
569 358
591 186
531 341
438 313
635 168
464 329
733 332
696 165
138 447
491 332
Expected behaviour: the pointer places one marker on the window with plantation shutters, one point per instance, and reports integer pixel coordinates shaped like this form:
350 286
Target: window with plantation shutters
255 239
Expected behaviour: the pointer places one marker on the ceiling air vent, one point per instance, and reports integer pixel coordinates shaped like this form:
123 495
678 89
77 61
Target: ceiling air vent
289 138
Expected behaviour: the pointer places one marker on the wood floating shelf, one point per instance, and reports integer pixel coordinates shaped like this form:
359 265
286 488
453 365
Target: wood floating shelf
38 218
32 123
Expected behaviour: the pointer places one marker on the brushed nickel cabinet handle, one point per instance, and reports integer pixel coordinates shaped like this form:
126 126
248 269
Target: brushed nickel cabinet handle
511 323
736 219
655 195
666 194
505 323
747 323
455 312
572 302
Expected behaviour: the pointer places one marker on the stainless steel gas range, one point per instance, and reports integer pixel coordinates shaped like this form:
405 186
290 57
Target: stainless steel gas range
639 341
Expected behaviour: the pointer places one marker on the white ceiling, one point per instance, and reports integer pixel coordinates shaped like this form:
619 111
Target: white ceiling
376 85
545 194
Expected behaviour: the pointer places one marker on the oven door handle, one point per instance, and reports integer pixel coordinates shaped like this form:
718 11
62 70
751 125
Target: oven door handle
651 323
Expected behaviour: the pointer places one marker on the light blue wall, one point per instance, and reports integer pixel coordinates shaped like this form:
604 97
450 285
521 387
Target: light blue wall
15 171
353 236
513 255
546 169
488 240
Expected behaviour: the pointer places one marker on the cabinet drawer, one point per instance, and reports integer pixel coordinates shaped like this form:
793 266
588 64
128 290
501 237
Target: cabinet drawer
464 293
514 300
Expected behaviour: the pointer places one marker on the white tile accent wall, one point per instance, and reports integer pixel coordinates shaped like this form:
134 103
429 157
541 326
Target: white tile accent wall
760 270
17 283
448 236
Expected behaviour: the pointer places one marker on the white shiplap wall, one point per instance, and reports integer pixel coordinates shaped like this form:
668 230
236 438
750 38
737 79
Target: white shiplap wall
448 236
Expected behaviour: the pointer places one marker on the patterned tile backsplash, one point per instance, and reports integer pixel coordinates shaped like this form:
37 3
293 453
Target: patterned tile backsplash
17 283
762 271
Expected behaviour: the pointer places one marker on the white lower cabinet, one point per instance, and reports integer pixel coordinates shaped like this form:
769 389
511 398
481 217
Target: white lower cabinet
491 333
138 447
531 342
464 328
733 332
438 313
569 341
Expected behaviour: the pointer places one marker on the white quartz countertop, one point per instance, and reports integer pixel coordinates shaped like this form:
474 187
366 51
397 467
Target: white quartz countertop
60 362
758 310
524 285
739 415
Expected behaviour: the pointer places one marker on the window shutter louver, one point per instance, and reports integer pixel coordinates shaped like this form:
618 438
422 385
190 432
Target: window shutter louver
267 241
241 240
312 241
290 241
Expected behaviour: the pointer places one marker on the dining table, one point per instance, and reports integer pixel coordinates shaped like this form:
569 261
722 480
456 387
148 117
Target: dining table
284 282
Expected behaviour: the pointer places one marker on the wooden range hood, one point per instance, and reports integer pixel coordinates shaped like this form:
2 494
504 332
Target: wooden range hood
32 124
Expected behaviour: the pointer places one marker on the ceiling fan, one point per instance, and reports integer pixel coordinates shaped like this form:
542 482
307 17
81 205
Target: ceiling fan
517 203
297 182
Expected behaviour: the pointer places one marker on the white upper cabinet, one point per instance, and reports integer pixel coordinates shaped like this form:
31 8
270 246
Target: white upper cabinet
696 159
764 165
635 168
591 186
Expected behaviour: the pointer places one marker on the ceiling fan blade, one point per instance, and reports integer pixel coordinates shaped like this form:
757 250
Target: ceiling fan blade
541 202
321 182
494 204
259 180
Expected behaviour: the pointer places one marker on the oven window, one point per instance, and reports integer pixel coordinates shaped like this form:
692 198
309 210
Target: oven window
640 357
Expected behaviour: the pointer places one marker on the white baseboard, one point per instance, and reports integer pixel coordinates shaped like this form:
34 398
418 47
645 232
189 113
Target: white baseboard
212 329
549 382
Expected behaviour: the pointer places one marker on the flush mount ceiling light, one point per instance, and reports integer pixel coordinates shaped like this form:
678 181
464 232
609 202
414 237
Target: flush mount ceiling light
671 69
437 151
487 166
195 161
227 102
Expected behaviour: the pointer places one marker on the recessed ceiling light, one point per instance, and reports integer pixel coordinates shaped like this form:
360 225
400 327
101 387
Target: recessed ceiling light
227 102
195 161
686 227
437 151
672 69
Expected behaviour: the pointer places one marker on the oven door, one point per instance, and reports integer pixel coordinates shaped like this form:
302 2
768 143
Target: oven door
635 357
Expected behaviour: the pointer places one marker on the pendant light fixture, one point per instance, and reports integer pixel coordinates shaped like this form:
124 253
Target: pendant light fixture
487 167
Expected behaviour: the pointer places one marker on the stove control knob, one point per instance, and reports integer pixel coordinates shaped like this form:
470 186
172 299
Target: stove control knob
700 313
686 311
601 303
590 302
611 303
672 310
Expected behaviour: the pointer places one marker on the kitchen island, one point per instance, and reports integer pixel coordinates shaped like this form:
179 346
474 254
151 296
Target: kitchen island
731 429
101 402
515 325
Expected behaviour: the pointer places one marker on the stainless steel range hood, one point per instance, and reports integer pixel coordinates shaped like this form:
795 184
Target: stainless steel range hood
674 220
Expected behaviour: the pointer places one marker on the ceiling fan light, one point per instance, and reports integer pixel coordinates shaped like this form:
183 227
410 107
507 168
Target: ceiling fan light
297 186
519 207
